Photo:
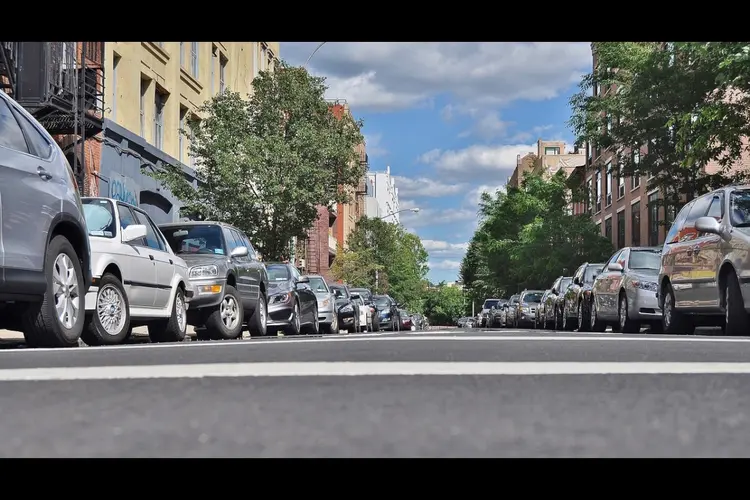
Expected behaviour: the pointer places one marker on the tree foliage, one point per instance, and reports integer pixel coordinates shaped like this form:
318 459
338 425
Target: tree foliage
683 105
526 238
387 259
443 303
265 163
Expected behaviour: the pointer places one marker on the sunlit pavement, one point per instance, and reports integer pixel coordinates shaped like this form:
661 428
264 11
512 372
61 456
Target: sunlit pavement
442 393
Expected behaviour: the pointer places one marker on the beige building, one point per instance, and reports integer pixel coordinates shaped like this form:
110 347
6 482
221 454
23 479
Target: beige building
549 158
151 90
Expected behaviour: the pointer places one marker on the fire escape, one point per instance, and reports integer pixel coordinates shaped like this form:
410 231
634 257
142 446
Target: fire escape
62 85
361 192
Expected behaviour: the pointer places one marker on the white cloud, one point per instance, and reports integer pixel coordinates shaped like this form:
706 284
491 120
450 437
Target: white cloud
437 248
445 265
373 145
396 75
438 217
485 162
422 187
473 196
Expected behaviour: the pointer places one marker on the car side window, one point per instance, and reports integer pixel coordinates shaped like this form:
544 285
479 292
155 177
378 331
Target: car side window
250 249
40 144
229 237
612 259
128 219
699 209
152 238
295 273
579 273
716 208
11 135
674 231
556 285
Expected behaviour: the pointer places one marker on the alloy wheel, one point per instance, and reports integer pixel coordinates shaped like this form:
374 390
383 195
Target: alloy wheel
667 311
623 312
295 319
65 287
593 314
230 312
110 309
263 316
181 312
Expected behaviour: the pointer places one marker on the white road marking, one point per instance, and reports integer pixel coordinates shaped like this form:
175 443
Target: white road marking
344 369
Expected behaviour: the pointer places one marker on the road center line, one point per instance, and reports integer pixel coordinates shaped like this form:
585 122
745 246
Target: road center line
345 369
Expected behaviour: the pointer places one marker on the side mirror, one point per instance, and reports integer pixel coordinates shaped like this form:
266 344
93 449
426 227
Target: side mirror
576 281
133 232
708 225
303 279
615 267
239 252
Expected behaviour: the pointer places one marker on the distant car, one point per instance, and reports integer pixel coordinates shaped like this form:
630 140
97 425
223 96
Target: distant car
347 309
484 315
389 312
45 256
406 321
329 319
528 303
231 283
368 317
137 278
292 305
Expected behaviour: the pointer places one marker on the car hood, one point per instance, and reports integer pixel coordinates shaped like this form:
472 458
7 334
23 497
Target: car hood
644 274
194 259
275 287
322 295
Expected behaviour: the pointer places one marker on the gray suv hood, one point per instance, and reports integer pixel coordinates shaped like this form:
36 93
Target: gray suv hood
194 259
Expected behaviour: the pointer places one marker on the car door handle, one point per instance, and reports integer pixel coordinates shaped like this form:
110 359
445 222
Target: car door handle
43 173
170 261
151 257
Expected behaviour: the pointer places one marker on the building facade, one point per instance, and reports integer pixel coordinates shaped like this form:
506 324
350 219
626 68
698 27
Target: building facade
385 194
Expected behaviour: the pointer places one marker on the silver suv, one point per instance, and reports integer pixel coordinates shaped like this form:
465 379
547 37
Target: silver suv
704 277
45 259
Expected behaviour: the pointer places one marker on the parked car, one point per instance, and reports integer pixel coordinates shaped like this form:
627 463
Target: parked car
230 282
484 314
406 322
577 303
137 279
347 309
365 293
528 302
496 313
389 313
45 255
329 320
552 304
368 315
466 322
419 321
624 293
292 305
703 277
511 311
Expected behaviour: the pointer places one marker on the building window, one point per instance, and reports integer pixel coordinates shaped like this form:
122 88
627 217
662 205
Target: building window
552 151
635 179
598 228
194 59
608 228
182 54
115 63
214 52
635 223
653 219
194 122
263 56
181 133
271 65
589 195
620 229
255 62
144 89
608 186
598 199
620 186
160 99
222 74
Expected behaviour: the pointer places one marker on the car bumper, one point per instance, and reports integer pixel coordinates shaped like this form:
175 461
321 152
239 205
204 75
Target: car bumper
346 319
206 293
643 305
280 314
325 316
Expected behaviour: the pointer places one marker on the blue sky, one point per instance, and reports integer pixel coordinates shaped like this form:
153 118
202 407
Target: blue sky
449 119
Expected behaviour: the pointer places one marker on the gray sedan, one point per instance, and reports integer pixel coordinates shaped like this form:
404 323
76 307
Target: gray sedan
329 321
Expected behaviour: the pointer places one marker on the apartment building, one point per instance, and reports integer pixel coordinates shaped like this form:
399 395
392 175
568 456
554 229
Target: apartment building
382 188
553 156
153 89
524 164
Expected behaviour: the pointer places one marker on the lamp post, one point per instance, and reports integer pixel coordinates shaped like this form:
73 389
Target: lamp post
415 210
313 53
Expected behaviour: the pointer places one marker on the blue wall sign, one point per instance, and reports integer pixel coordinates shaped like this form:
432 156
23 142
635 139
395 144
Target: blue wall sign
120 188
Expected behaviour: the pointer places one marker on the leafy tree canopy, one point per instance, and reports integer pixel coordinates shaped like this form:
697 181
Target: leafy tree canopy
265 163
683 105
389 260
526 238
443 303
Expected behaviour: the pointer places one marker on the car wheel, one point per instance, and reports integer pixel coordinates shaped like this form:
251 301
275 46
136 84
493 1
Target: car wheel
735 317
672 320
175 328
375 323
258 323
584 317
110 322
58 320
294 323
225 321
596 324
314 327
626 324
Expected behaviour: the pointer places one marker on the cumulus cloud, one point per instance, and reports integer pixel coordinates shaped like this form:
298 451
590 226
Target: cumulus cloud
423 187
473 196
384 76
486 162
438 248
438 217
447 264
373 144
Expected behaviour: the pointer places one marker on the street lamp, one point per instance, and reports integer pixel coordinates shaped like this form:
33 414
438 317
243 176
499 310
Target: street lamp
313 53
415 210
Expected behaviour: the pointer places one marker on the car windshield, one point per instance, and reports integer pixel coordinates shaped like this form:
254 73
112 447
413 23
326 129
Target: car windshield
339 292
489 304
565 283
382 302
100 217
278 272
195 239
739 207
363 292
591 272
514 299
318 285
645 259
533 296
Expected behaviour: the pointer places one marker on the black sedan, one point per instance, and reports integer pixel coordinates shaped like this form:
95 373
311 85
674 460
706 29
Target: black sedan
390 316
347 309
292 305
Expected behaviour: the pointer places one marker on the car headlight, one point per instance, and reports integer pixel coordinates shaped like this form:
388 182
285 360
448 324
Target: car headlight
199 272
324 303
347 308
525 309
645 285
280 298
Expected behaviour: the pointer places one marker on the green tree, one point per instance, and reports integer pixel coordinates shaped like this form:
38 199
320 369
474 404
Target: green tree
265 163
355 268
398 257
678 104
443 303
526 238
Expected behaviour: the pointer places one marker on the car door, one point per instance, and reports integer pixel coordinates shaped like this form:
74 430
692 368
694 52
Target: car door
684 273
307 298
156 249
139 271
31 187
604 289
254 266
549 299
673 252
708 255
571 294
240 265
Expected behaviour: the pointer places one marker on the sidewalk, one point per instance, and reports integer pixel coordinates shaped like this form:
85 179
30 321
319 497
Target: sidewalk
142 331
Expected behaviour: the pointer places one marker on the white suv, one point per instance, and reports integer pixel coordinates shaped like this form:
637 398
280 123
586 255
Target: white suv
137 279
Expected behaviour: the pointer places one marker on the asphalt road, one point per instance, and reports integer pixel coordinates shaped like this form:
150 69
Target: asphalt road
453 393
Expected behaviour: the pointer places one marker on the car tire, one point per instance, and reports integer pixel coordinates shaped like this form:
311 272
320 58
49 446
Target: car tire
294 323
41 324
95 332
376 323
674 322
584 317
173 329
597 325
624 323
735 317
258 322
314 327
231 304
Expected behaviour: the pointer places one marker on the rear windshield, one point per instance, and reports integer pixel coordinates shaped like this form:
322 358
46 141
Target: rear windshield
100 217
